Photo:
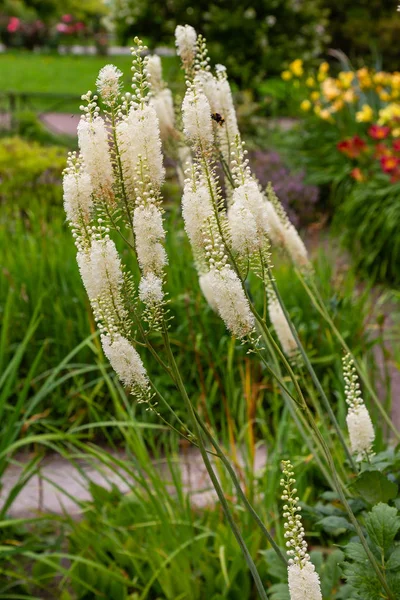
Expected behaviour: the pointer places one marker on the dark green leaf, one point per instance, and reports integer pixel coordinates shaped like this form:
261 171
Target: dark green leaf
335 525
382 525
394 559
374 487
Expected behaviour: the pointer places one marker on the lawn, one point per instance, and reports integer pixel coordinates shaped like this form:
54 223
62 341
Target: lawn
30 73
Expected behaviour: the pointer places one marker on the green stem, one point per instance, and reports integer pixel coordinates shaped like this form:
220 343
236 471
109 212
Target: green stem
297 416
210 470
348 509
321 308
313 375
239 490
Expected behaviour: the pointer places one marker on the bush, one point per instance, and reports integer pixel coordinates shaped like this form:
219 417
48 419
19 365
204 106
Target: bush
371 213
366 27
27 166
252 41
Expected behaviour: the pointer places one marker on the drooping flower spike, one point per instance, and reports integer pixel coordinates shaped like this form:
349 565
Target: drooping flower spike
304 583
359 424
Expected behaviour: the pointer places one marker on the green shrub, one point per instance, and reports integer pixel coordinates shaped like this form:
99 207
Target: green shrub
28 168
371 213
251 40
366 28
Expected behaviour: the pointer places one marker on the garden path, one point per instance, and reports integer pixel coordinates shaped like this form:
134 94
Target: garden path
61 486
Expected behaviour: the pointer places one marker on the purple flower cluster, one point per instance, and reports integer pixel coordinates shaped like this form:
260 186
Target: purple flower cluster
299 199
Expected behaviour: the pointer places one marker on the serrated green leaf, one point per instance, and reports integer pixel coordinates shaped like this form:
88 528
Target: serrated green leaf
356 552
331 573
394 559
382 525
275 566
335 525
374 487
279 591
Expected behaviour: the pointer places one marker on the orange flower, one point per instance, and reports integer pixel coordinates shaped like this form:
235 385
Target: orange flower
389 163
352 147
357 174
379 132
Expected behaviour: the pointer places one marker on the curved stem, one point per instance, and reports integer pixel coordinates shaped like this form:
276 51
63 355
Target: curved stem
210 470
239 490
321 308
349 511
313 374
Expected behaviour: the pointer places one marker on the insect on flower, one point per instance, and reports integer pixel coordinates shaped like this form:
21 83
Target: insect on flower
218 118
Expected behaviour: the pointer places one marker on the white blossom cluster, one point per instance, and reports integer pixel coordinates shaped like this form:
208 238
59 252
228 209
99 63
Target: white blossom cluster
280 324
197 210
94 146
223 289
78 193
108 84
102 274
359 424
185 40
247 218
196 115
139 144
304 583
160 97
284 233
126 362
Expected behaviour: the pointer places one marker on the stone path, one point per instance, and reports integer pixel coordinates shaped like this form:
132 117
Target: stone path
61 486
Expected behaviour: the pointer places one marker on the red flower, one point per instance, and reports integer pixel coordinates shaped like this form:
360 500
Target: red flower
396 145
389 163
13 25
357 174
352 147
66 18
379 132
382 150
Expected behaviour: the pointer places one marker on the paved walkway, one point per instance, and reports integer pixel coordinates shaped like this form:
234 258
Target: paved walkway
61 486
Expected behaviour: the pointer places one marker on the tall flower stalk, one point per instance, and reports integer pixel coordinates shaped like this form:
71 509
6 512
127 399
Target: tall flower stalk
112 196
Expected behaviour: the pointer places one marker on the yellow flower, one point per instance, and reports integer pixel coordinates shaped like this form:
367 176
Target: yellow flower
297 67
337 105
305 105
286 75
384 96
310 82
364 78
325 115
379 78
314 96
345 78
395 80
365 115
349 96
396 132
389 113
317 109
330 88
324 67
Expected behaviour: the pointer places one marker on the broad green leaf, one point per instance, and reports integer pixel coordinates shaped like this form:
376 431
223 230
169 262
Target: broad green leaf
374 487
382 525
394 559
335 525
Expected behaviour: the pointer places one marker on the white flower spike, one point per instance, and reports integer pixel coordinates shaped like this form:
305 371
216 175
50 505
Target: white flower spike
304 583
